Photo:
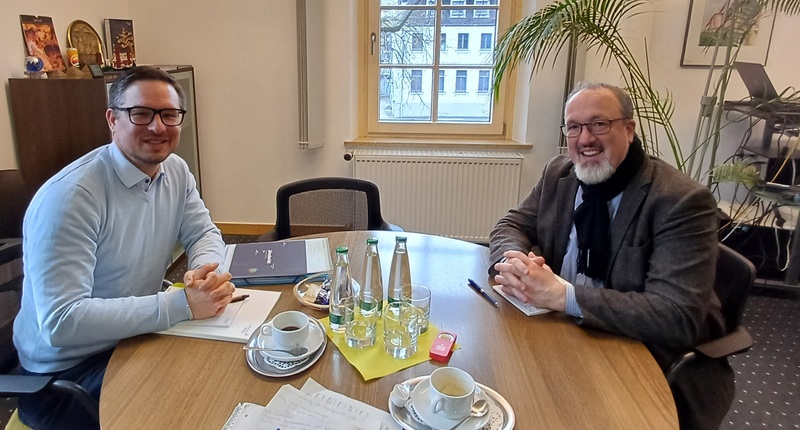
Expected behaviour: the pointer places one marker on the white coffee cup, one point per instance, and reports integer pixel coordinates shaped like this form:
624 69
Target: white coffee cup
451 391
288 329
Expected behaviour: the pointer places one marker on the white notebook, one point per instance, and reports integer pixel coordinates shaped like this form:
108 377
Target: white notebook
236 324
526 308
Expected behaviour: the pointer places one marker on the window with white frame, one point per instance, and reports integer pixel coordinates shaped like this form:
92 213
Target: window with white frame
416 81
483 81
458 13
481 13
408 61
463 41
486 41
461 81
417 42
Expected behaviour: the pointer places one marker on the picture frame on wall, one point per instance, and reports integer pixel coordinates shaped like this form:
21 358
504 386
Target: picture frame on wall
40 40
706 18
120 43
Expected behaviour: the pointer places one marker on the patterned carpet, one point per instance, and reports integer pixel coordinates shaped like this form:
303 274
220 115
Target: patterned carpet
768 376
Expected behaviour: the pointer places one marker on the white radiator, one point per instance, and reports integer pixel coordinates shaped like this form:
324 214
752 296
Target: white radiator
459 194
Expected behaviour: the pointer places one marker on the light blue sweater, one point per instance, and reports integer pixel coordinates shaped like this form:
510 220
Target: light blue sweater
98 238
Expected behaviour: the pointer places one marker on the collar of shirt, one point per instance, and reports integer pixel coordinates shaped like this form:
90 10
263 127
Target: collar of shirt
129 174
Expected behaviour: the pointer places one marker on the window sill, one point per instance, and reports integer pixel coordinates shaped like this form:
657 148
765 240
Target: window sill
467 143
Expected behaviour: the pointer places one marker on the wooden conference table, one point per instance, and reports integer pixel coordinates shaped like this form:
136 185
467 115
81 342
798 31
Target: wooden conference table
555 374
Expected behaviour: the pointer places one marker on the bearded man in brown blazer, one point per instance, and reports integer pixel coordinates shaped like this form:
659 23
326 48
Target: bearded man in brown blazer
635 239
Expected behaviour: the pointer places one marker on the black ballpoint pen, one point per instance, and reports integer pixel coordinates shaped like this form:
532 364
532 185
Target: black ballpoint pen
474 285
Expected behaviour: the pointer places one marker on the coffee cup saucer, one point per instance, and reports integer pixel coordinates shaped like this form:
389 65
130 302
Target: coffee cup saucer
312 343
420 402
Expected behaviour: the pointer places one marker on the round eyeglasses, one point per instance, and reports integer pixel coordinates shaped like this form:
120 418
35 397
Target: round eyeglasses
596 127
139 115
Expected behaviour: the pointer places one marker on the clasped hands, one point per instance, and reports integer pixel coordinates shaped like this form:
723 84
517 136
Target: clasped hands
207 291
528 278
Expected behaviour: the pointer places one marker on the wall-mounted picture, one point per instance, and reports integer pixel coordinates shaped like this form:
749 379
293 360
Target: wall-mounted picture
709 22
40 41
119 43
82 36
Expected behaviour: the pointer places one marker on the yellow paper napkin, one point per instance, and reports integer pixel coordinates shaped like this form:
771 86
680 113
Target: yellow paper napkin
374 362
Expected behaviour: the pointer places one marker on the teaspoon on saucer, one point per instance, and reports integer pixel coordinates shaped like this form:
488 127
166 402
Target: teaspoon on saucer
295 351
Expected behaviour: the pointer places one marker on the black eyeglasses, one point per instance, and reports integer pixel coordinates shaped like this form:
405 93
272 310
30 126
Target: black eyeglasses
596 127
140 115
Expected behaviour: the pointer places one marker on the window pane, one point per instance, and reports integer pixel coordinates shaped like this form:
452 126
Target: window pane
443 42
407 37
463 41
461 81
483 81
463 106
407 95
469 37
486 41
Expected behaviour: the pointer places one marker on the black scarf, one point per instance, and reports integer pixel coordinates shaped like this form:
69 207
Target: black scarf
592 222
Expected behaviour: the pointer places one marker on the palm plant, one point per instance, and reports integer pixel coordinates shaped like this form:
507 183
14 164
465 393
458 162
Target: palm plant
540 37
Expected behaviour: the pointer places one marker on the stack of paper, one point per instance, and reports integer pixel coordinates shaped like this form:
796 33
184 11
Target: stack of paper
311 408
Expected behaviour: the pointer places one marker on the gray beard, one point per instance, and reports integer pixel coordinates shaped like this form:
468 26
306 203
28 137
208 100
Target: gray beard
592 175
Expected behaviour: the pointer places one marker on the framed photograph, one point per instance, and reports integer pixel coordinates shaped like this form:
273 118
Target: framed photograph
120 44
706 20
40 41
83 37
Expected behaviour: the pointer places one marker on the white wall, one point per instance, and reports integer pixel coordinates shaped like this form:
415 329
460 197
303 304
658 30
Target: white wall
245 65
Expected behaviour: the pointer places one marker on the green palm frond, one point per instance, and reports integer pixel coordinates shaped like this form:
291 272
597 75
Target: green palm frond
740 172
538 39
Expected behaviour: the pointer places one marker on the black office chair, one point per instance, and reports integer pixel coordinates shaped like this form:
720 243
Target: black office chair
13 203
735 277
320 205
20 385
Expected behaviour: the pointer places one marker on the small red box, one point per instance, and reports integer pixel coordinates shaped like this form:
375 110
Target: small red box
443 346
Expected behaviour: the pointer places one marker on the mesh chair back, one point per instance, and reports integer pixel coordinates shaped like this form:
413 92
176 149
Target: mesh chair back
735 277
332 209
320 205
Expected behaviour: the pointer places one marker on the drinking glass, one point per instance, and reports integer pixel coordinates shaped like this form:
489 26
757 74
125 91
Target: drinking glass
421 299
400 329
362 322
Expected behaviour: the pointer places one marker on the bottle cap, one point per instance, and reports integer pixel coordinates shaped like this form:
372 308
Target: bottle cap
372 240
400 238
341 250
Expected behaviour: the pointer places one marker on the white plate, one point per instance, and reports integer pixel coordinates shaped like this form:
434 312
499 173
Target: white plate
501 415
420 401
313 342
263 366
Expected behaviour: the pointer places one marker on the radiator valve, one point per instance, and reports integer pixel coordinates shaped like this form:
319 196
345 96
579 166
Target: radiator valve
348 155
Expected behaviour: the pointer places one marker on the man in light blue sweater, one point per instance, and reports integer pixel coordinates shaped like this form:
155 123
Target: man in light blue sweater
98 238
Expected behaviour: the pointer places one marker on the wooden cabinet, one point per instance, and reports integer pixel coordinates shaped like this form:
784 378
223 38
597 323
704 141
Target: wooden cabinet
58 120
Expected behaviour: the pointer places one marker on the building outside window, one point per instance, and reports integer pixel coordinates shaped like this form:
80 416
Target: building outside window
441 81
